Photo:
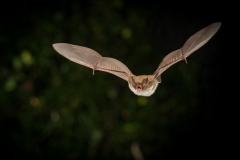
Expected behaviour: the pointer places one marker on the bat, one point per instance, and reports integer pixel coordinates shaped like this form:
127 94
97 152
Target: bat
143 85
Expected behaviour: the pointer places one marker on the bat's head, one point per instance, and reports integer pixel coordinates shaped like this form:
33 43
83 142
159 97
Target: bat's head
140 85
143 85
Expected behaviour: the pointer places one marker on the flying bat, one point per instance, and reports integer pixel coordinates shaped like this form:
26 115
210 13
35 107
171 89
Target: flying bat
143 85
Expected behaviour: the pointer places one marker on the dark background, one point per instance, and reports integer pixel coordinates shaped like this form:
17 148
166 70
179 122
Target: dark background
54 108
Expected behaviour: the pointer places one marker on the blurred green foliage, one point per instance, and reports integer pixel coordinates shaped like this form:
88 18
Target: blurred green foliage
53 107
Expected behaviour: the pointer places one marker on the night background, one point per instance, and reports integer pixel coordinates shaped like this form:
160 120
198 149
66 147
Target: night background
53 108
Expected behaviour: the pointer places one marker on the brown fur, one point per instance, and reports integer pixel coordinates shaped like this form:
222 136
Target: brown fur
140 81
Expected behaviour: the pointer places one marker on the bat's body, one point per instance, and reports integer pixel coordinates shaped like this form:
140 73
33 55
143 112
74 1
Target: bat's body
140 88
144 85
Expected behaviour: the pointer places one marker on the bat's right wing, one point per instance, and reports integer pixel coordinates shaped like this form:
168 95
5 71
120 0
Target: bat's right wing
192 44
90 58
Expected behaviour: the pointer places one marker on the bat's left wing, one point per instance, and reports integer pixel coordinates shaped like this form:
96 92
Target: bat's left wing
90 58
192 44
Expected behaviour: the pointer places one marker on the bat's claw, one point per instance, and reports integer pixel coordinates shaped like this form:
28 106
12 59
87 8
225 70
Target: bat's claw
93 71
183 56
185 59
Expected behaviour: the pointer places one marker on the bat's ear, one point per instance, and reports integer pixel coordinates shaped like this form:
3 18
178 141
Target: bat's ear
145 81
133 81
159 79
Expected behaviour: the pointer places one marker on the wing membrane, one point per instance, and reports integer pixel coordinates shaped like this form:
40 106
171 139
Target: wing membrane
90 58
192 44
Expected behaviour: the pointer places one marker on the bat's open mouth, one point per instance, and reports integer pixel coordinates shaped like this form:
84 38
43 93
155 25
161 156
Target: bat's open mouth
138 88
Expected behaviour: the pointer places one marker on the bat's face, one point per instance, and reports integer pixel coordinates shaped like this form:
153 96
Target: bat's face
143 85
